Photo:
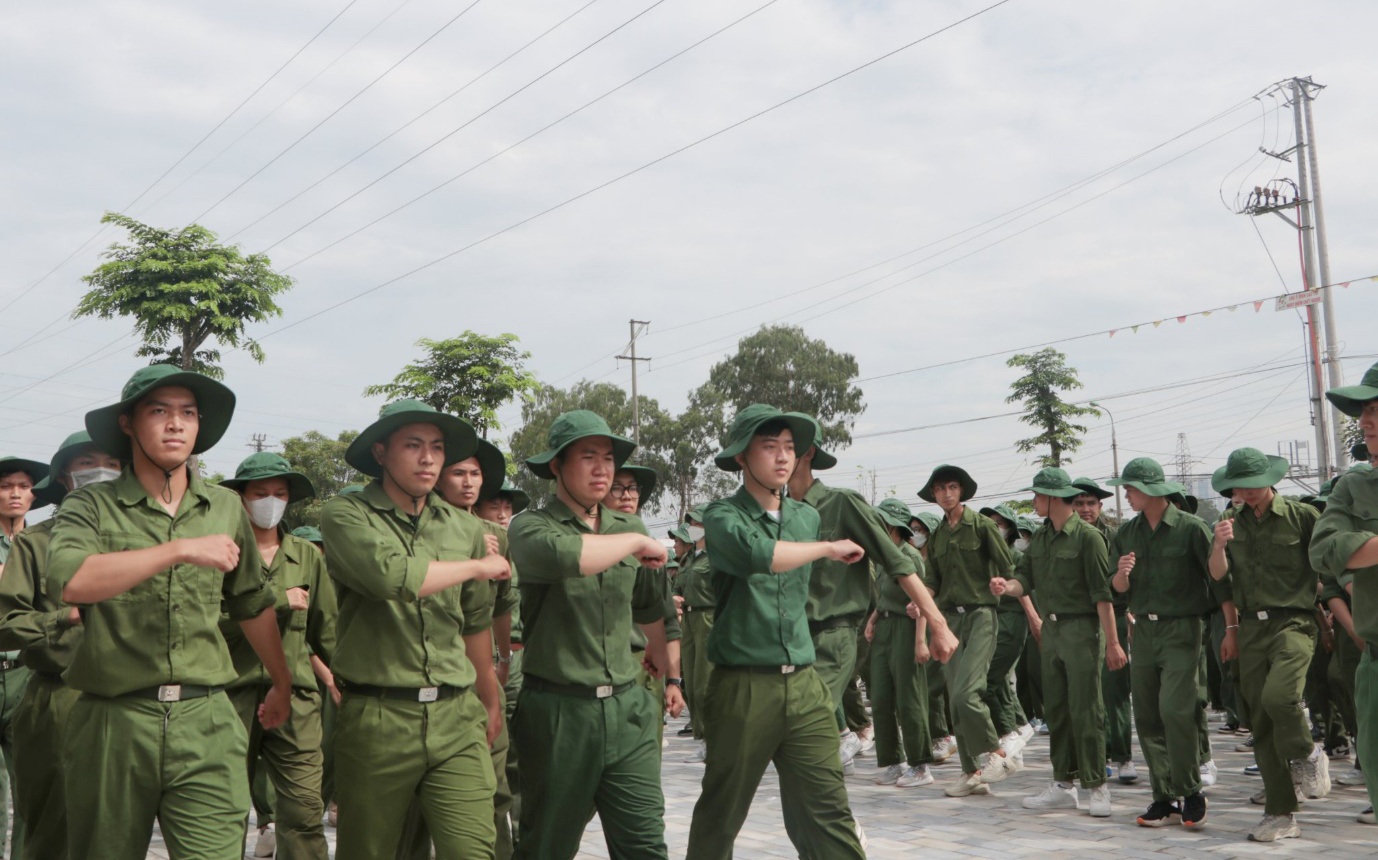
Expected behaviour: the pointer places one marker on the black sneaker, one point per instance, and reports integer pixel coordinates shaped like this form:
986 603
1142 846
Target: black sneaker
1194 810
1229 729
685 732
1159 813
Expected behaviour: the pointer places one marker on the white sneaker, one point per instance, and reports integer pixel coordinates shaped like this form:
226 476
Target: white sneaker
993 767
1315 773
1015 762
867 736
1353 776
967 784
1025 731
914 777
267 843
849 768
1012 743
1275 827
1042 727
700 755
1209 774
1126 773
891 774
943 748
1367 816
849 746
1055 796
1100 801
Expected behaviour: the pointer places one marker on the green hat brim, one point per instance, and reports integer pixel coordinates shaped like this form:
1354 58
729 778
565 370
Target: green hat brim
822 460
214 401
803 428
1086 488
680 534
298 485
48 492
1156 490
539 464
38 472
519 499
894 520
1221 481
493 465
645 480
460 439
948 473
929 519
1070 492
308 533
695 516
1351 399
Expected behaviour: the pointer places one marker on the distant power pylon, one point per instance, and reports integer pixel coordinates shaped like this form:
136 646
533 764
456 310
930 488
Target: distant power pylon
1183 459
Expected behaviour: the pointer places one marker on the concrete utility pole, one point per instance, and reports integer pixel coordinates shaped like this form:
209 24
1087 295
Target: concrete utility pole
1115 458
633 358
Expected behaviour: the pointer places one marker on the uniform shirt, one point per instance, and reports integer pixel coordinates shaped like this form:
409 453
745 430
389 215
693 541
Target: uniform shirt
502 593
388 635
1107 531
1269 567
964 559
889 596
836 588
297 564
1170 576
761 616
673 632
166 629
577 628
1067 568
1350 520
1007 602
32 622
6 544
695 581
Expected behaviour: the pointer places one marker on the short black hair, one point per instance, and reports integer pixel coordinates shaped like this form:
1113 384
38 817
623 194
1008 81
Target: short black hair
773 427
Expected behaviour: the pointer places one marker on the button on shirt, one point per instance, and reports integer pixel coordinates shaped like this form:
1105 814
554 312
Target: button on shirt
166 629
837 588
1067 568
387 635
1170 576
1269 567
1349 521
577 629
32 622
760 619
963 559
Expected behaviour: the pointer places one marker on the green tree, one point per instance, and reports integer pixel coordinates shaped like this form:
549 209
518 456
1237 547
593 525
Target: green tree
1045 374
1353 435
183 291
782 366
320 458
471 376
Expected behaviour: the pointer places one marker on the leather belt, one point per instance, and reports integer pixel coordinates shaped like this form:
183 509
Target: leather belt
1265 614
606 691
766 670
836 622
1068 616
403 694
172 692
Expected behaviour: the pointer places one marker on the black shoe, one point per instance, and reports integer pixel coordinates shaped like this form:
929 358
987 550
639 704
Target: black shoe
1251 770
685 732
1159 813
1194 810
1229 729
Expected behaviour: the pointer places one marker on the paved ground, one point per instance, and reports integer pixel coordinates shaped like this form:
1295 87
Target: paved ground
897 821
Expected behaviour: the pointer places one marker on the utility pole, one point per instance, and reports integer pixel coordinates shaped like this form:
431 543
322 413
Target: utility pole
1183 460
633 358
1114 459
258 442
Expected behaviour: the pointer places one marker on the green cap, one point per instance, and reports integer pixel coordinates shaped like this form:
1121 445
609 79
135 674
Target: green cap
1088 485
493 465
214 402
1145 475
752 418
264 465
570 428
37 472
946 473
1249 469
1005 512
822 460
929 519
460 439
50 491
1350 399
1028 524
895 513
695 515
681 533
310 533
645 480
351 490
1055 482
520 500
1184 501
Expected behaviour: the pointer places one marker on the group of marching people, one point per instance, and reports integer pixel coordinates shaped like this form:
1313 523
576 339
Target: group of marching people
449 672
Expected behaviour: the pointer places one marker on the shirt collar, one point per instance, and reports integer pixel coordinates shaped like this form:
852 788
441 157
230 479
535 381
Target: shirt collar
378 499
815 493
563 513
130 492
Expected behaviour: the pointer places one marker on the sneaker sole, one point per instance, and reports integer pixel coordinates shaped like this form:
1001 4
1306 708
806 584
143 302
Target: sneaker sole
1101 813
1290 834
1127 780
1161 822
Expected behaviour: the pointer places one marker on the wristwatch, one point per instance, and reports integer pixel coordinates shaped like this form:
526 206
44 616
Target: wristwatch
678 682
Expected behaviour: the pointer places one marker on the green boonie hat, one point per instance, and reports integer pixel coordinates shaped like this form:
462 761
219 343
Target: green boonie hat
460 439
645 480
570 428
897 514
822 460
1055 482
1249 469
1028 524
37 472
264 465
493 465
310 533
695 515
949 473
351 490
1185 501
1359 453
1323 497
1350 399
214 402
49 491
803 427
1145 475
520 500
1089 486
929 519
680 533
1005 512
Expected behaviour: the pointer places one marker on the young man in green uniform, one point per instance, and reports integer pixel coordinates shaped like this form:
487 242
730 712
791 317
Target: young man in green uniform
586 728
964 556
149 559
414 656
1014 618
1066 565
899 680
840 594
694 586
305 607
45 632
766 703
1262 547
1161 561
1345 546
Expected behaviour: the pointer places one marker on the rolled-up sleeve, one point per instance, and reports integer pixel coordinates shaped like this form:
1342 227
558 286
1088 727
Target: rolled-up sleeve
245 589
366 560
545 553
1338 535
76 537
1096 566
739 549
864 525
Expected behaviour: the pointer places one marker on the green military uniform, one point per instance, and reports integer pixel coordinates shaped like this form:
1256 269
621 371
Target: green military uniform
410 724
1067 568
1011 631
1169 594
962 560
586 729
1115 683
694 584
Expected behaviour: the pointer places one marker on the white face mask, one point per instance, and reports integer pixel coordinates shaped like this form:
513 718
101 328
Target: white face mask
1004 532
86 477
918 541
696 533
266 512
1022 544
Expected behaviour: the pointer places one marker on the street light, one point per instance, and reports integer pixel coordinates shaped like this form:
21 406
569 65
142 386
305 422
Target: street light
1115 458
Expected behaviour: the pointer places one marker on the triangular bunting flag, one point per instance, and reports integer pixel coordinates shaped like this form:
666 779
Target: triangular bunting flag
1181 319
1232 308
1206 313
1258 305
1136 329
1157 323
1345 285
1112 332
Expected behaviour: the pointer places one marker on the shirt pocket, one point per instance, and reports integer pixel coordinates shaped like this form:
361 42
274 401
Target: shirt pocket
153 588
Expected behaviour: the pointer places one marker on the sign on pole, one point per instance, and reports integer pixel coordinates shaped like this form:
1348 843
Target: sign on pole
1298 300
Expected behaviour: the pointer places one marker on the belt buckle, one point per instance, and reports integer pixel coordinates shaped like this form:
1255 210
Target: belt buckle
428 694
1152 617
1263 615
787 670
1052 616
170 693
961 610
603 692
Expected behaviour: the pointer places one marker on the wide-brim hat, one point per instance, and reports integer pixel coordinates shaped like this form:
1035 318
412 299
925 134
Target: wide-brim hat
37 471
681 533
1028 524
265 465
493 464
695 515
1089 486
929 519
214 403
519 499
1146 475
1005 512
1350 399
946 473
570 428
822 460
803 427
896 513
1055 482
50 491
1249 469
310 533
645 480
460 439
1185 501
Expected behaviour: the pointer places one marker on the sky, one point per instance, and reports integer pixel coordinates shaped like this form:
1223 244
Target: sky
1037 172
